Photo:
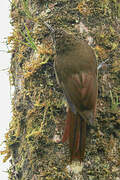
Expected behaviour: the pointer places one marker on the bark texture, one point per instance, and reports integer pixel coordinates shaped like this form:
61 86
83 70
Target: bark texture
38 104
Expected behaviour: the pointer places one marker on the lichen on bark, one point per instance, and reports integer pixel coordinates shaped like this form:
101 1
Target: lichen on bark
38 106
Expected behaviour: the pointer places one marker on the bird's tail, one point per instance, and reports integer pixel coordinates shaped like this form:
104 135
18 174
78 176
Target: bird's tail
75 132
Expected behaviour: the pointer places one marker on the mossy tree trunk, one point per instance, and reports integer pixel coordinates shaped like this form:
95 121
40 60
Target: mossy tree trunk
38 104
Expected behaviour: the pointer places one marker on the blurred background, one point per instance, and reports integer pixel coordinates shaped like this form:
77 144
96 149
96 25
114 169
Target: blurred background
5 105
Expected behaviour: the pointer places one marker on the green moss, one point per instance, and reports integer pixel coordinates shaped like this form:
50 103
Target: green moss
38 103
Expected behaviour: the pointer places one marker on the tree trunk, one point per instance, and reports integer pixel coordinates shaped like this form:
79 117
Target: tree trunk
39 109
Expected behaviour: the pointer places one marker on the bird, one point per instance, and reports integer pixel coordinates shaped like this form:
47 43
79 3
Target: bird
76 72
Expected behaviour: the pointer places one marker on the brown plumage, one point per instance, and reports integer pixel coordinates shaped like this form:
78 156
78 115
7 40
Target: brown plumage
76 71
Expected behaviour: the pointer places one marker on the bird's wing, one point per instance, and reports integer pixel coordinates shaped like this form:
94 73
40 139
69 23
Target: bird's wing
81 92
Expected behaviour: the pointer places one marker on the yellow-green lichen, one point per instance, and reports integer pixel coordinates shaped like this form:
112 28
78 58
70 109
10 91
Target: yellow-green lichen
38 104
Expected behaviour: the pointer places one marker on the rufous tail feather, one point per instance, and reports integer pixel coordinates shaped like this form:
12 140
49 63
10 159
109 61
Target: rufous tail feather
75 132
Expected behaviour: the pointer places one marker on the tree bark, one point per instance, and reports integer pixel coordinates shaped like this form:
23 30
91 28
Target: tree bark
33 139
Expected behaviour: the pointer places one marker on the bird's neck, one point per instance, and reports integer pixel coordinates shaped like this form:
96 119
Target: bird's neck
64 43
